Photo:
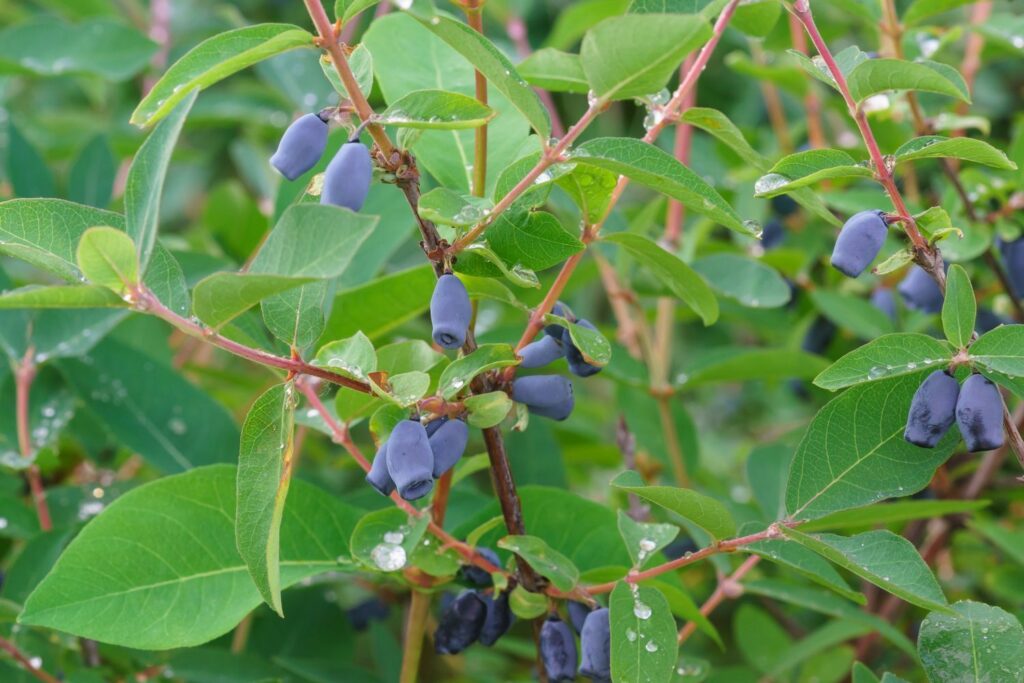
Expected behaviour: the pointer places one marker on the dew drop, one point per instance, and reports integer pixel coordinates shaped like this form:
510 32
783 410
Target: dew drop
388 557
641 610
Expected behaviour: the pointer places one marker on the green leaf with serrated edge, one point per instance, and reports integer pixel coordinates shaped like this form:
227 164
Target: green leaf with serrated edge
977 643
354 357
264 473
738 364
548 562
220 298
555 71
659 170
854 313
746 280
1011 543
592 344
436 109
959 308
644 647
106 256
1001 350
448 207
878 75
536 241
385 539
360 62
718 124
163 557
461 372
892 513
880 557
684 282
80 296
144 187
965 149
704 511
213 60
853 452
489 61
890 355
635 55
847 60
808 564
644 540
806 168
487 410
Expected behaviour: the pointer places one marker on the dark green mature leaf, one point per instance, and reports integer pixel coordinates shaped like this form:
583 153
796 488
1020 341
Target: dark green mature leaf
436 109
853 452
881 557
461 372
1001 350
738 364
659 170
163 560
852 312
213 60
718 124
91 178
550 563
534 240
643 635
878 75
922 9
806 168
959 308
888 356
893 512
643 541
704 511
635 55
27 171
978 643
555 71
222 297
808 564
381 305
966 149
748 281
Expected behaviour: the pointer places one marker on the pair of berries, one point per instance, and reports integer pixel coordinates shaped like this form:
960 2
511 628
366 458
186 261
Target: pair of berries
977 408
414 456
558 645
556 343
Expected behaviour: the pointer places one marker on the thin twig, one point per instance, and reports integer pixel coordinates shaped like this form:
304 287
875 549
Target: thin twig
25 663
516 30
24 375
728 587
475 19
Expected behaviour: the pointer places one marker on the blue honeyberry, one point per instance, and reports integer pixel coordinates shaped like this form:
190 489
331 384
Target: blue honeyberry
373 609
410 460
819 335
558 650
448 442
450 312
301 146
562 311
498 621
460 623
883 299
784 205
577 364
772 234
578 612
348 176
979 414
932 410
596 646
545 395
1013 259
477 576
859 242
920 291
544 351
379 477
434 425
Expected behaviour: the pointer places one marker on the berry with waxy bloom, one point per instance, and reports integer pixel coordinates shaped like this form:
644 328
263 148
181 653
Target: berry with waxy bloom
558 650
450 312
545 395
859 242
301 146
348 177
460 623
979 414
932 410
410 460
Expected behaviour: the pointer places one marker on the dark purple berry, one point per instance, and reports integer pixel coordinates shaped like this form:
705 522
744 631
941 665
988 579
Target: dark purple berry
545 395
301 146
348 176
784 205
596 646
362 614
434 425
448 442
920 292
577 364
460 624
562 311
932 409
544 351
1013 260
558 650
772 233
379 477
680 547
859 242
979 414
450 312
883 300
578 612
410 460
819 335
477 576
499 619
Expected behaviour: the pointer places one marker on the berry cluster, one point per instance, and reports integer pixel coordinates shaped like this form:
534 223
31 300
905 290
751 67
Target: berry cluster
558 645
475 615
976 407
415 455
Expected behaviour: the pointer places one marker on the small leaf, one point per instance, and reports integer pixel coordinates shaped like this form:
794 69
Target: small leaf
385 539
535 240
643 635
749 282
361 64
595 348
548 562
878 75
555 71
353 357
106 256
976 644
1001 350
517 275
893 512
436 109
220 298
893 263
847 60
347 9
527 605
806 168
461 372
448 207
718 124
959 308
704 511
644 540
965 149
486 410
888 356
405 388
74 296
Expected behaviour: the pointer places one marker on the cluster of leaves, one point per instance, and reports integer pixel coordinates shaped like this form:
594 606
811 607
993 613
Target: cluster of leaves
174 492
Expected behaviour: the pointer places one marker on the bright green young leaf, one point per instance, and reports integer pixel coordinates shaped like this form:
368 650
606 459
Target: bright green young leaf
73 296
749 282
346 9
644 540
847 59
215 59
643 635
447 207
550 563
555 71
360 61
888 356
704 511
405 388
959 308
106 256
591 189
482 255
384 539
354 357
592 344
527 605
806 168
220 298
978 643
878 75
408 355
965 149
718 124
1001 350
461 372
487 410
436 109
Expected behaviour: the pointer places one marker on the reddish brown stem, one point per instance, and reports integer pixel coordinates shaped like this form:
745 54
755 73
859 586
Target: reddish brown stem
516 30
812 105
25 663
728 587
24 375
475 19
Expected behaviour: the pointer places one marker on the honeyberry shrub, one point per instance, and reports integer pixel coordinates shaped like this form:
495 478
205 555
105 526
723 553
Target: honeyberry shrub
681 339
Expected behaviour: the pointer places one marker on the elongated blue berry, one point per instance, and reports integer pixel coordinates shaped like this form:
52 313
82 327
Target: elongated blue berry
596 646
410 460
379 477
1013 259
450 312
348 176
932 410
546 395
578 612
369 610
498 621
772 233
784 205
477 576
883 300
859 242
544 351
979 414
562 311
460 623
920 291
558 650
301 146
577 364
448 442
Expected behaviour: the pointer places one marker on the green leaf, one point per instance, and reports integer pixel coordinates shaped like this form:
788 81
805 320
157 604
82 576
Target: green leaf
978 643
461 372
808 564
535 240
718 124
220 298
704 511
555 71
966 149
548 562
215 59
644 540
959 308
684 282
448 207
824 641
880 557
381 305
595 348
635 55
527 605
853 452
489 61
1000 350
878 75
739 364
485 256
852 312
749 282
162 557
385 539
296 316
353 357
264 475
643 635
487 410
806 168
1007 541
75 296
659 170
436 109
862 674
922 9
361 64
405 389
106 256
91 178
591 189
847 60
145 185
346 9
893 512
888 356
27 171
404 356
